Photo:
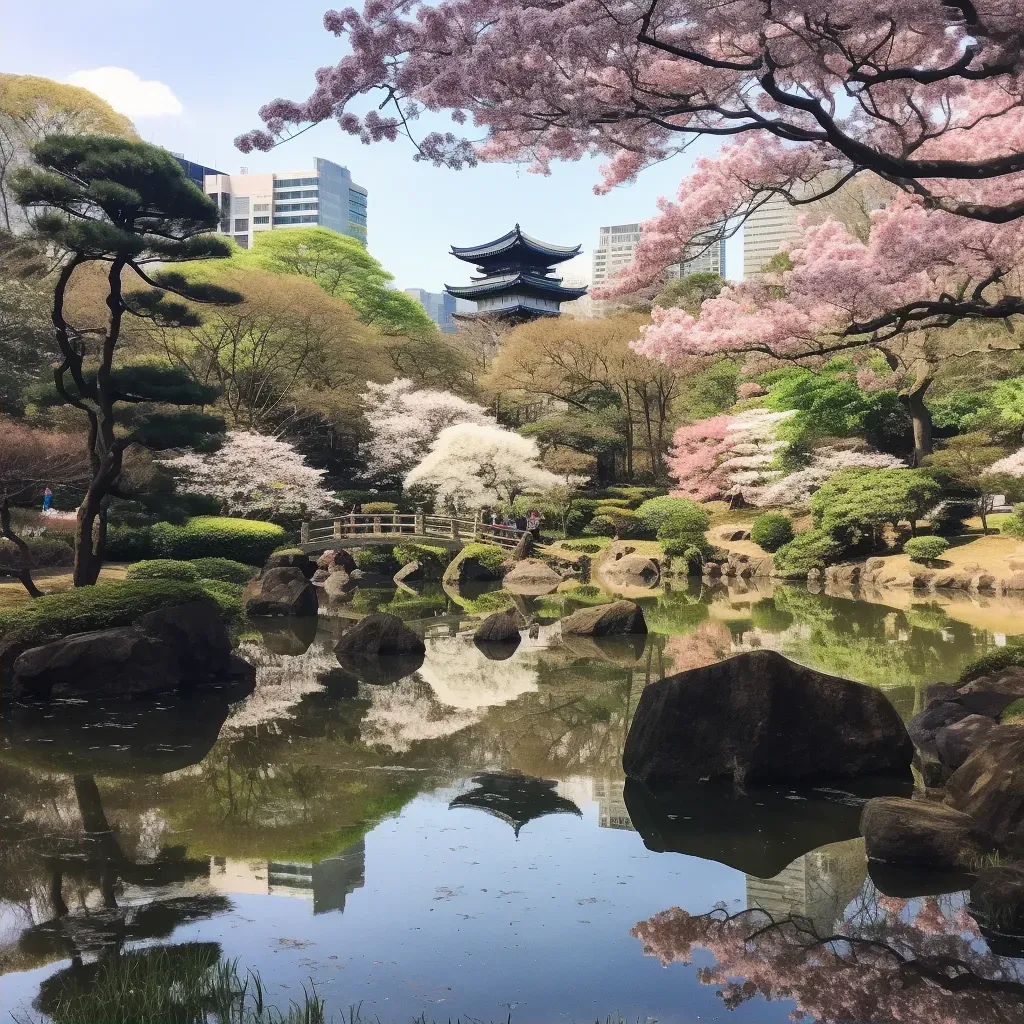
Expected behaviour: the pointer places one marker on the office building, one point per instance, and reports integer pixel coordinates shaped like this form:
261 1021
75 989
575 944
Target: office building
766 231
196 173
440 307
324 196
617 244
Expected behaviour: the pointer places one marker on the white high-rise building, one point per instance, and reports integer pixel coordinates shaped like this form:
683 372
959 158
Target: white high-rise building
324 196
616 247
766 231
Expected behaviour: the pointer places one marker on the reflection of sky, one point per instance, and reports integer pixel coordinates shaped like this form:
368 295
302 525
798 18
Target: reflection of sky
458 917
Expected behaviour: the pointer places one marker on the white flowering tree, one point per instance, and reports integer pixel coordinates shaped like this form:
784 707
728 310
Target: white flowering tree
470 465
404 422
255 476
795 489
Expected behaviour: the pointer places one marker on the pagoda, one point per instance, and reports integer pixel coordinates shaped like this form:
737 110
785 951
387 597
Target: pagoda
515 281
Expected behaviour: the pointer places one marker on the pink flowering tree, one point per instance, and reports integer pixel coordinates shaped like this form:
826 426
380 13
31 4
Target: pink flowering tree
404 421
255 476
931 105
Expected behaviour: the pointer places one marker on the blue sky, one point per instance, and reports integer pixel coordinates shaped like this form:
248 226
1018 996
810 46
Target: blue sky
220 61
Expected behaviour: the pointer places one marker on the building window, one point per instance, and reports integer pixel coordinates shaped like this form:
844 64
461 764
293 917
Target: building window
225 225
293 207
261 208
308 193
304 219
242 240
261 220
292 182
241 223
241 206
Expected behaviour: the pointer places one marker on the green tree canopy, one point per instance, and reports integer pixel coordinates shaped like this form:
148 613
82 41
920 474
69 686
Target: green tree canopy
345 269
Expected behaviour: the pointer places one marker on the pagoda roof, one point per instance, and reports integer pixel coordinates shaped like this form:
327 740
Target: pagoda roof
513 240
505 282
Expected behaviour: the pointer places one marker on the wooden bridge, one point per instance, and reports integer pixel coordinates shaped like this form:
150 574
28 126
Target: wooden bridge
401 528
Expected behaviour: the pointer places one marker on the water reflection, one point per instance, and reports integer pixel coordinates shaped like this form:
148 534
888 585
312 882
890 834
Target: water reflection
318 811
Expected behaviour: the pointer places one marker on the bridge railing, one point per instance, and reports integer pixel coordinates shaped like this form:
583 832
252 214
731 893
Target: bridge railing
411 525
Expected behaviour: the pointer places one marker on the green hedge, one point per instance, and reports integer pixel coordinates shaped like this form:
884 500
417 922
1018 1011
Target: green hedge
378 508
163 569
656 511
771 530
242 540
129 543
432 559
490 556
812 549
89 608
378 559
925 549
687 522
224 569
1004 657
45 552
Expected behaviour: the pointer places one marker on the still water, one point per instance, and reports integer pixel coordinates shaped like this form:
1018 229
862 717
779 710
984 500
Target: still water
461 842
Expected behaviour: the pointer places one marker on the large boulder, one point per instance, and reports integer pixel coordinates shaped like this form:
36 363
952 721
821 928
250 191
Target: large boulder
922 834
991 694
958 741
989 786
336 560
280 592
292 560
500 628
168 649
632 571
379 634
617 619
339 586
759 717
937 715
466 568
531 576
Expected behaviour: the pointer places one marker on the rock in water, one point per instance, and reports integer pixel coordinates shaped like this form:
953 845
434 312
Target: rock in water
938 715
920 833
333 561
500 628
759 717
617 619
531 576
280 592
997 899
632 571
292 560
379 634
164 650
989 786
339 586
958 741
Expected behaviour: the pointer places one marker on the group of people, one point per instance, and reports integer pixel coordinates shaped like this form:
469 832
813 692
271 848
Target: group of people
529 522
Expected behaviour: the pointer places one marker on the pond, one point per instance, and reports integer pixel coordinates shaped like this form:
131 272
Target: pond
461 843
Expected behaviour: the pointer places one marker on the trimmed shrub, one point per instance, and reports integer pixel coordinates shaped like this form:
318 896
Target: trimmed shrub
995 661
925 549
227 595
162 569
433 559
1014 526
600 526
690 554
378 559
129 543
354 496
490 556
812 549
687 522
655 511
586 547
224 569
634 495
46 552
771 530
88 608
378 508
242 540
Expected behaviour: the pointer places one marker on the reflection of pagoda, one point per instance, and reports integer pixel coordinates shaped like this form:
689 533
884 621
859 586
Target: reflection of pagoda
515 798
516 281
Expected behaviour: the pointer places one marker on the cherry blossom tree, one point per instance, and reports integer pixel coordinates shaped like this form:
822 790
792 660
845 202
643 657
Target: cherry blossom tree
794 490
471 465
255 476
404 421
932 96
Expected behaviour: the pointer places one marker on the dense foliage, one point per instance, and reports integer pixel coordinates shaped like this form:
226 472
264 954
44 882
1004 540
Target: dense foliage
771 530
162 569
242 540
926 549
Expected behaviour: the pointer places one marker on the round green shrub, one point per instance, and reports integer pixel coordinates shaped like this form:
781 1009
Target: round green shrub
926 549
227 595
600 526
129 543
378 508
45 552
490 556
690 554
242 540
771 530
224 569
655 511
812 549
689 522
1014 526
586 547
162 569
378 559
432 559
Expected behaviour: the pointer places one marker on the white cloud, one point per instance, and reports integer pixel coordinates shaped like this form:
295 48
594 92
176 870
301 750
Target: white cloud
127 93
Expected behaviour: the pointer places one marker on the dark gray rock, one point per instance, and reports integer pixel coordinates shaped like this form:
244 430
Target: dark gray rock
379 634
200 641
922 834
617 619
280 592
292 560
531 576
339 586
332 561
939 714
958 741
941 692
989 786
997 899
500 628
759 717
990 695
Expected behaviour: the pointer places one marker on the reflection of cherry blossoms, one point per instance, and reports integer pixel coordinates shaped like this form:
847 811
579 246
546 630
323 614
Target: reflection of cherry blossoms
462 676
409 713
911 961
